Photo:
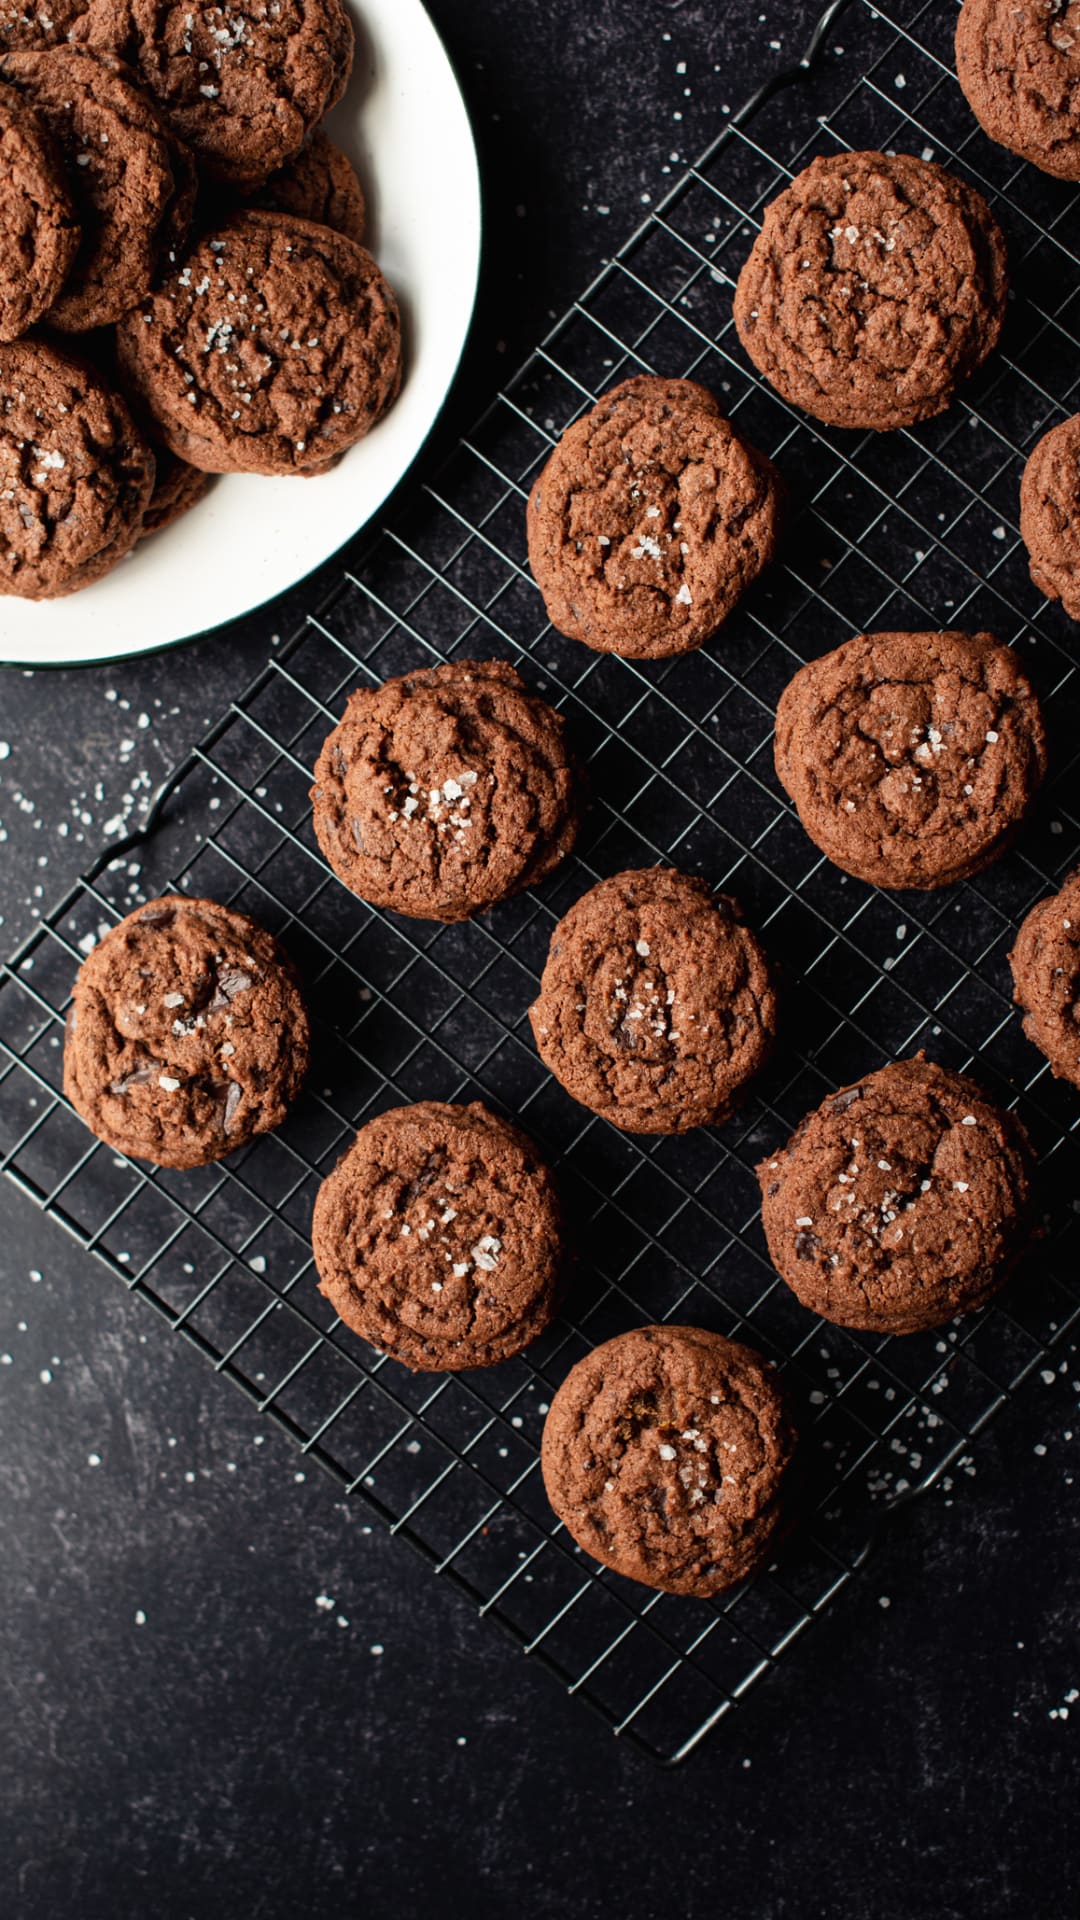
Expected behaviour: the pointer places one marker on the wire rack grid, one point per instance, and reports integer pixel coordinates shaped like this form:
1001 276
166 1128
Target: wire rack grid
910 529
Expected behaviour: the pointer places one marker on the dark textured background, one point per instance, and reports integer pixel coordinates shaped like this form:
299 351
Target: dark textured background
185 1731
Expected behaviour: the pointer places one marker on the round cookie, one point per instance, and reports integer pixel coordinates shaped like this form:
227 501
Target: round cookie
319 183
443 791
650 520
903 1200
272 348
187 1034
1050 514
913 758
39 233
243 82
75 473
38 23
665 1455
1019 66
132 181
656 1004
177 488
437 1237
876 285
1046 973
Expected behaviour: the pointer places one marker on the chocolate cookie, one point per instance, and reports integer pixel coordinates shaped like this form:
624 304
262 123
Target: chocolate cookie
446 790
38 23
876 285
177 488
665 1455
656 1004
1046 971
913 758
1050 514
39 233
132 181
650 520
75 473
243 82
272 348
437 1237
319 184
901 1201
1019 65
187 1033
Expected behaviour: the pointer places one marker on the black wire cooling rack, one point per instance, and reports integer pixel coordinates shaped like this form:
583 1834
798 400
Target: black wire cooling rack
909 529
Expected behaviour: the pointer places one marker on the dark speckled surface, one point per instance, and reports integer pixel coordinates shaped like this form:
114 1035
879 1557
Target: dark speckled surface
222 1694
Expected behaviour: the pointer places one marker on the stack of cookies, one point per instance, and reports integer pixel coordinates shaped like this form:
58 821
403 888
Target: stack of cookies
183 288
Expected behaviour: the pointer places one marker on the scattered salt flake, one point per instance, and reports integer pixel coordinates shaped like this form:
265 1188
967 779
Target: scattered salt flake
377 1649
257 1263
140 1617
683 597
667 1452
884 1601
167 1082
324 1603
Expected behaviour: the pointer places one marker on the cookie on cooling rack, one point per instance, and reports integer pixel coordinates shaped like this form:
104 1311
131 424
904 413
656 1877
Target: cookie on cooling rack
437 1237
1050 514
902 1201
187 1034
913 758
650 520
443 791
666 1455
39 232
656 1005
1046 974
319 183
876 285
1019 66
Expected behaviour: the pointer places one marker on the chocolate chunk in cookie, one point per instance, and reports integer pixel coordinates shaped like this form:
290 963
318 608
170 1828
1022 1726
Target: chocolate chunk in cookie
437 1237
132 181
1046 973
666 1454
243 82
901 1201
1019 65
272 348
319 183
650 520
1050 514
656 1004
876 285
39 231
446 790
187 1034
177 488
913 758
76 475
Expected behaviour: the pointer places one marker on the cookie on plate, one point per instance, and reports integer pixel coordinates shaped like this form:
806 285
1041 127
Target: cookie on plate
76 474
445 790
913 758
903 1200
271 348
39 231
666 1455
1050 514
187 1033
243 83
650 520
656 1005
437 1237
876 285
1046 974
319 183
1019 65
177 488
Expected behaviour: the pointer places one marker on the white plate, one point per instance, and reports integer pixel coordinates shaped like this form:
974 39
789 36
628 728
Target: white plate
404 123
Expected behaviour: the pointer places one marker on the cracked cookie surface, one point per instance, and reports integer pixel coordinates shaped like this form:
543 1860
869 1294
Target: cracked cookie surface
437 1237
319 183
1046 973
39 231
1019 66
650 520
1050 514
38 23
665 1455
902 1200
445 790
913 758
272 348
877 284
187 1034
656 1004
